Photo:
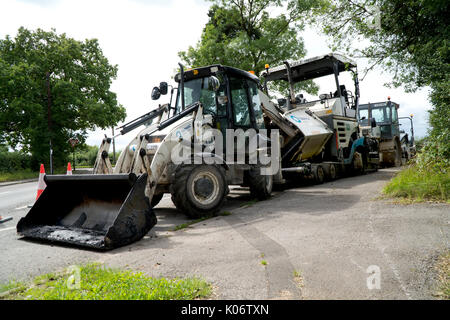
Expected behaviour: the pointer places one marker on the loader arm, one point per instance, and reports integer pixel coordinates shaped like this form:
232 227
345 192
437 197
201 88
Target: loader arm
105 211
127 159
163 155
102 163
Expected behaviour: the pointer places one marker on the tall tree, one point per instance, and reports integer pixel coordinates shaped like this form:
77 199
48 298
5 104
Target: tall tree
410 39
247 34
52 88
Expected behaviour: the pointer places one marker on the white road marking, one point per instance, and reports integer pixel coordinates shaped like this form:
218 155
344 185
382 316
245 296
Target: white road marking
24 207
6 229
5 192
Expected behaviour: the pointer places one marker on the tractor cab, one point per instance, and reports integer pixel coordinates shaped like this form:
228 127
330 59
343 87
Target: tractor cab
384 114
230 95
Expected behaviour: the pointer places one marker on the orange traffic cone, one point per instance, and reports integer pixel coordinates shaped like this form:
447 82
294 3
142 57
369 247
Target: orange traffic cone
69 169
41 183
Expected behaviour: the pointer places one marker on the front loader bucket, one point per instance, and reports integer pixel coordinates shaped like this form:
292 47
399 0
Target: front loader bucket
96 211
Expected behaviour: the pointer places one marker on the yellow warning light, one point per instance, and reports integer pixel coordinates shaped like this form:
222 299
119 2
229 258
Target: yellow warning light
411 115
195 72
266 66
252 72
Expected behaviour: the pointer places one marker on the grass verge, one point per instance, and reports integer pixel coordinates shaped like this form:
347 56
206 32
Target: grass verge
249 203
414 185
443 268
18 175
187 224
26 174
100 283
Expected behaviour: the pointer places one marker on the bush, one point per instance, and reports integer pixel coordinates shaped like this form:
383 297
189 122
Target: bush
435 153
14 161
86 156
428 177
111 156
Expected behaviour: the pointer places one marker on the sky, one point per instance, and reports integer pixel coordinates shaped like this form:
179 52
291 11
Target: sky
143 37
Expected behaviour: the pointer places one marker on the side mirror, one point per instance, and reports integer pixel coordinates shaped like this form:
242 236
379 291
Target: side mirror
156 93
163 88
324 96
213 83
281 101
373 123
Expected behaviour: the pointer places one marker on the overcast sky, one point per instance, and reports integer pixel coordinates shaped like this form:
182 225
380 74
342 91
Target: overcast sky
144 36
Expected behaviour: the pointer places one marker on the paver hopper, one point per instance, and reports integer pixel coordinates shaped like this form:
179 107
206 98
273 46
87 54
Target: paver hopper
97 211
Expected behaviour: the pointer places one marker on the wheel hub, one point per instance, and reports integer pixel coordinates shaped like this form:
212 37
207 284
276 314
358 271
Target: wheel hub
203 187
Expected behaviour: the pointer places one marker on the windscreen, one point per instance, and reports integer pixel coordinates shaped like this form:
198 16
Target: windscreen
364 116
381 114
198 90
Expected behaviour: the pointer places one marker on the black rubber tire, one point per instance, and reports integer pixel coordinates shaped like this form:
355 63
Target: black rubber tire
354 169
156 199
319 174
183 190
332 172
260 185
398 153
365 163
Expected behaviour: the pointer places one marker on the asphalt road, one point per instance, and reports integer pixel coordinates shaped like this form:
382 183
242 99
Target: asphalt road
342 240
16 196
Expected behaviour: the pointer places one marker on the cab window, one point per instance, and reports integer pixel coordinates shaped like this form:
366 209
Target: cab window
256 103
394 114
364 113
197 90
381 114
239 102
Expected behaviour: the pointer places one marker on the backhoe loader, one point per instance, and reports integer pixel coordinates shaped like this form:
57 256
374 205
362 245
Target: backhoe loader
222 130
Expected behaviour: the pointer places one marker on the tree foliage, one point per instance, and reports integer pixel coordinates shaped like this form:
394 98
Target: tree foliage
79 78
246 34
408 38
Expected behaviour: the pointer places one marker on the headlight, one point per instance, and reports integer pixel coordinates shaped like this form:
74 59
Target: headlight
156 139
